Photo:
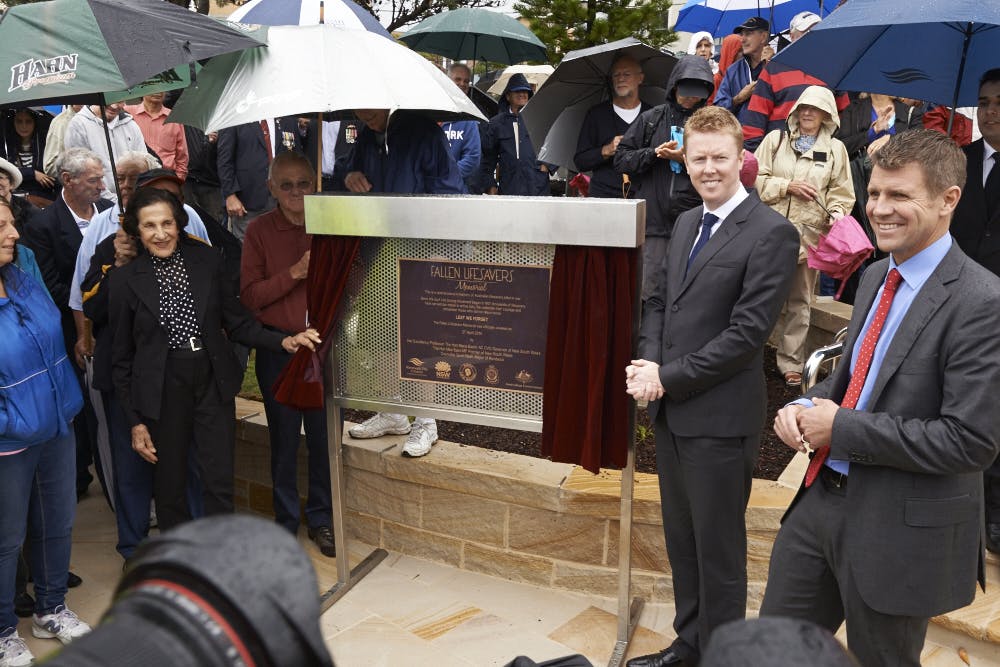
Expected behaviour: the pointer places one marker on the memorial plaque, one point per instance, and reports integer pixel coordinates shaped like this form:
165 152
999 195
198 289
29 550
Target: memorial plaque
473 324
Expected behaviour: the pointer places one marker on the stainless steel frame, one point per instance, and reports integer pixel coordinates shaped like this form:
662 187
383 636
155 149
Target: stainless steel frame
828 353
511 227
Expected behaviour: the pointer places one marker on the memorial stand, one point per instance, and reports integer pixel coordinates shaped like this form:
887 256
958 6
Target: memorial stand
443 315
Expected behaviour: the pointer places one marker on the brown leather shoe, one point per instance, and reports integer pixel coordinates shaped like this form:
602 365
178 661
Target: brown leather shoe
793 379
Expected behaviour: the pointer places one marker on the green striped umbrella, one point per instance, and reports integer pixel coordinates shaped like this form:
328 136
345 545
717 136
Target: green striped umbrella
75 50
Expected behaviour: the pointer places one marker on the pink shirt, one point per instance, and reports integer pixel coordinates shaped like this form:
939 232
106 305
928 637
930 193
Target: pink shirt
167 140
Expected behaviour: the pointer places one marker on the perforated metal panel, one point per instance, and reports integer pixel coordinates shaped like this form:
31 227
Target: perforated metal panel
366 364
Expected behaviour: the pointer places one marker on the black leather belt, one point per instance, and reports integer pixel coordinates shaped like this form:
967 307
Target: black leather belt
194 344
832 478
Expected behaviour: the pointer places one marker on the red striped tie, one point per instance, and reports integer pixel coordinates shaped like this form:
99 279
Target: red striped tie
861 366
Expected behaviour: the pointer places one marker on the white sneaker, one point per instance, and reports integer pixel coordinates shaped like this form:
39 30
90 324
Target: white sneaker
14 652
61 624
422 438
379 425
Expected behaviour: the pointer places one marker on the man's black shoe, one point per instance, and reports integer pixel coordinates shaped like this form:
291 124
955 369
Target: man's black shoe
324 540
664 658
24 605
993 537
72 580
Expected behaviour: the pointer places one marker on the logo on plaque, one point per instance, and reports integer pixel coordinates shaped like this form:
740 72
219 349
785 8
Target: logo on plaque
524 377
443 370
467 372
416 367
492 374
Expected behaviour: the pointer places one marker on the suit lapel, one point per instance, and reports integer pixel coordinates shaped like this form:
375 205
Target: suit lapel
689 223
931 297
144 284
727 231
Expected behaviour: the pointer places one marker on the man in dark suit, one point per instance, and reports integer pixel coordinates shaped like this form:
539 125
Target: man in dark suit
976 228
728 271
55 235
244 153
885 531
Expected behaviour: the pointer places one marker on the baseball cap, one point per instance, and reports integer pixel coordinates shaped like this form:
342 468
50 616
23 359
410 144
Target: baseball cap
753 23
693 88
153 175
803 21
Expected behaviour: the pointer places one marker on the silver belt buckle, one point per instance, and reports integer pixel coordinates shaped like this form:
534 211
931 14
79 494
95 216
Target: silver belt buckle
194 343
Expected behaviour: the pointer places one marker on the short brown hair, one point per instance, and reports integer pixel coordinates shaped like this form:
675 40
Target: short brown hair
939 158
714 120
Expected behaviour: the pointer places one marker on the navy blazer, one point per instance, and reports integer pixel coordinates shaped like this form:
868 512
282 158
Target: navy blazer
55 238
140 346
242 159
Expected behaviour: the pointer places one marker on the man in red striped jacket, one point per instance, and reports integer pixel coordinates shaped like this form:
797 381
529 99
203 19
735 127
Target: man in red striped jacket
777 89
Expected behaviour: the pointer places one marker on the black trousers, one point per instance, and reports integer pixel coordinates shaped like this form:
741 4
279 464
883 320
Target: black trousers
192 413
704 490
810 578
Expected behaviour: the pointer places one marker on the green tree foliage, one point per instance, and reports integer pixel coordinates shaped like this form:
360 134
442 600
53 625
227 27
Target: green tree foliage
566 25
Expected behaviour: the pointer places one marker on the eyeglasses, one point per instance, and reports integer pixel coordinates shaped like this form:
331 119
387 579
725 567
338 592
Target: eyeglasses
304 186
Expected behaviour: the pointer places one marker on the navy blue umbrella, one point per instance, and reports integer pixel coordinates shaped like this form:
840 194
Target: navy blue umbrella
930 50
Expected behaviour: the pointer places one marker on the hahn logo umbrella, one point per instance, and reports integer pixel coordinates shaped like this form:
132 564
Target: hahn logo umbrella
75 50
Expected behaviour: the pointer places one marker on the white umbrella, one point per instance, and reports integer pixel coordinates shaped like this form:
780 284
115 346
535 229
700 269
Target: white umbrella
318 69
535 74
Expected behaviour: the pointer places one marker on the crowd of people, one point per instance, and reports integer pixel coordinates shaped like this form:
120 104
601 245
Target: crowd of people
134 281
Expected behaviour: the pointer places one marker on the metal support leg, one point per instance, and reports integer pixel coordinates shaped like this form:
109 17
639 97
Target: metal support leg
346 578
628 610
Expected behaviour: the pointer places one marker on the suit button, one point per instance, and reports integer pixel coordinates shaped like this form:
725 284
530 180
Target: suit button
674 309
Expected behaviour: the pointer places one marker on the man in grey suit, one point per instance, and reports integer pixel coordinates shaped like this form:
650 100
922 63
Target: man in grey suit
890 533
728 272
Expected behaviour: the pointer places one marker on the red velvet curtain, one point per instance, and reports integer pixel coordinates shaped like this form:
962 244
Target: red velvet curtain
300 385
589 343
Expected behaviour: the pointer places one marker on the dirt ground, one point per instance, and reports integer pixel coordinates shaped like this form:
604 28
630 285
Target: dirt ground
774 455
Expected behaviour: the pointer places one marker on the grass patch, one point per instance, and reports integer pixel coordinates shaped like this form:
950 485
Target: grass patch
250 389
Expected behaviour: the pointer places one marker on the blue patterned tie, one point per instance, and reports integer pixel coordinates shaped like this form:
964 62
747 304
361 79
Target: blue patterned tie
706 233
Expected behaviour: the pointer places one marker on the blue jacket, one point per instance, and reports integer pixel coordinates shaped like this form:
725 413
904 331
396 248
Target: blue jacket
519 166
464 145
410 158
39 392
733 81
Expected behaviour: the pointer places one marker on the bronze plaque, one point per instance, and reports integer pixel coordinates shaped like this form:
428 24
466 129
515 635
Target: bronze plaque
473 324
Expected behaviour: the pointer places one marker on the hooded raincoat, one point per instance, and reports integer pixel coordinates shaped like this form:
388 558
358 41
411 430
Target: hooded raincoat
667 193
508 152
826 167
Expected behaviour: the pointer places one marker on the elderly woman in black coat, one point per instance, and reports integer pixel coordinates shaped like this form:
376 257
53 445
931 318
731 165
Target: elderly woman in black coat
174 368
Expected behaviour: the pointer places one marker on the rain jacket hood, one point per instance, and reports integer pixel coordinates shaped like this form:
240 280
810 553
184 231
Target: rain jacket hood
821 98
518 80
697 38
690 67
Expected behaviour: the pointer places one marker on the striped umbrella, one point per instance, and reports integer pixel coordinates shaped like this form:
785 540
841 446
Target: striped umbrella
719 17
341 13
